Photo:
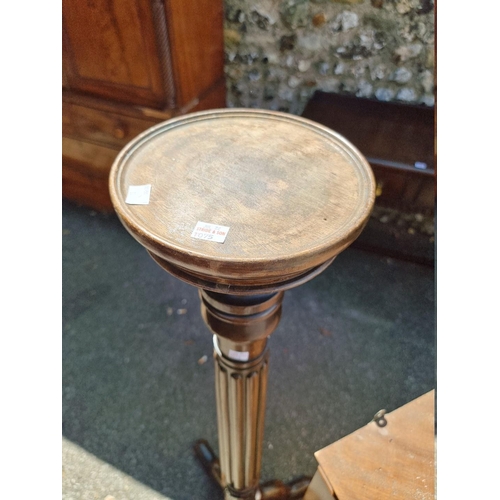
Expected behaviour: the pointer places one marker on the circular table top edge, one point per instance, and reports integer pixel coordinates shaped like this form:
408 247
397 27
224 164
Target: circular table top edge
168 249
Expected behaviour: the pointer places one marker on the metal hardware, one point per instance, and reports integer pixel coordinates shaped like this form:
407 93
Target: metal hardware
379 418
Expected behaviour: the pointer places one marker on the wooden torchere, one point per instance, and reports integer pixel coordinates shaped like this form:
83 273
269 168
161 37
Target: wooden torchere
243 204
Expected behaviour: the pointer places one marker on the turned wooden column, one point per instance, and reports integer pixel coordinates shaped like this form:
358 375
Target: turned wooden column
241 325
243 204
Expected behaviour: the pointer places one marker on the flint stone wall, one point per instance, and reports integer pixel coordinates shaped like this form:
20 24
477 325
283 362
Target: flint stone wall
278 52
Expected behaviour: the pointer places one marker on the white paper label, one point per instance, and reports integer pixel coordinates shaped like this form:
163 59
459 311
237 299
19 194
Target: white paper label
210 232
238 355
421 165
138 195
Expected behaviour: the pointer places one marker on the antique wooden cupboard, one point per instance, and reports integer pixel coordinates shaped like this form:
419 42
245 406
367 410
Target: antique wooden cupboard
127 65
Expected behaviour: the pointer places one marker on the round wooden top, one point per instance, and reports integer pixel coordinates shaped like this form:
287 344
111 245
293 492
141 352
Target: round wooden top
293 194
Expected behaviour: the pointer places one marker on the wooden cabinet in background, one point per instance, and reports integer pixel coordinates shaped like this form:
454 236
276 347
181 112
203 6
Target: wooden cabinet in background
397 139
127 65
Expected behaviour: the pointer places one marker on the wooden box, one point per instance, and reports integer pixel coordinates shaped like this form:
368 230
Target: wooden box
395 461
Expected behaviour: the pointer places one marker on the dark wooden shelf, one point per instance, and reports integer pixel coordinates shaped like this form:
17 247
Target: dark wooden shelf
397 139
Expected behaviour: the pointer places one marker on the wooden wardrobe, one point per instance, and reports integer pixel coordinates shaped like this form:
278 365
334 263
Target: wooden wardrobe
127 65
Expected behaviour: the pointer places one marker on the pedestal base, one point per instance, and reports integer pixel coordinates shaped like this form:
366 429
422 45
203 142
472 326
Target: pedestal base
270 490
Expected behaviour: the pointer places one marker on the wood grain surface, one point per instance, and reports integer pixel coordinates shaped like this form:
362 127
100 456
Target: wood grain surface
197 46
110 49
293 193
394 462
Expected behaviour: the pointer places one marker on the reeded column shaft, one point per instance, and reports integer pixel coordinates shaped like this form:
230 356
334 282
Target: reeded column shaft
241 401
241 326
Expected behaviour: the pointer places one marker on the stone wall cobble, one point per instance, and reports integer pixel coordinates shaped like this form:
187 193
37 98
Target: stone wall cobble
278 52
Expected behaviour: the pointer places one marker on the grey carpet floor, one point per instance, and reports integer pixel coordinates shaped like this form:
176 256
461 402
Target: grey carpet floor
358 338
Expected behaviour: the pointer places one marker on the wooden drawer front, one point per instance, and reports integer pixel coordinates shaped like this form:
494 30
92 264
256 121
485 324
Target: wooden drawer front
102 127
85 172
408 191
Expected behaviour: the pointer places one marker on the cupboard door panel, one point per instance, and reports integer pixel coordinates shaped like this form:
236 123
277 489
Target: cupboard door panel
196 32
118 49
